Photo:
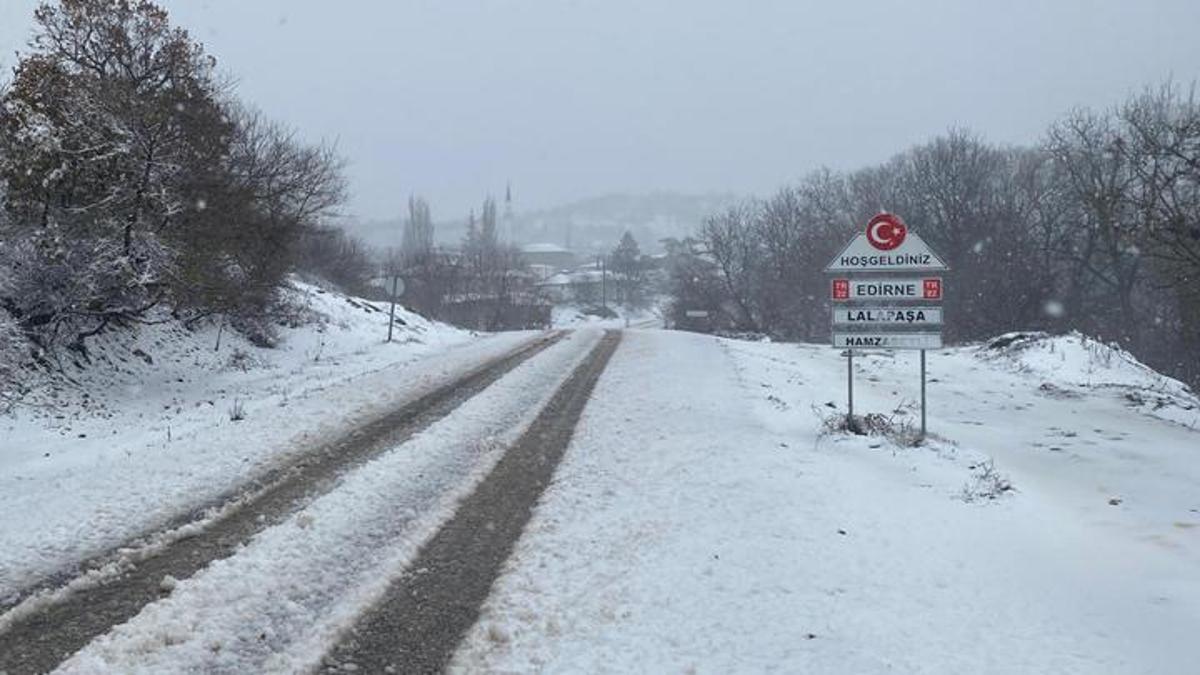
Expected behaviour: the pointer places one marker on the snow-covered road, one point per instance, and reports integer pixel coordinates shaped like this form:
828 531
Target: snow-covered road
705 519
701 522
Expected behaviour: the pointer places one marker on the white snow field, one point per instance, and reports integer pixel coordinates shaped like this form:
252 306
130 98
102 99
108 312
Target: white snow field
702 522
281 601
576 316
132 444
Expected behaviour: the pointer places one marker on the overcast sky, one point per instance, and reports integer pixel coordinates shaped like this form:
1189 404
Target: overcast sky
568 99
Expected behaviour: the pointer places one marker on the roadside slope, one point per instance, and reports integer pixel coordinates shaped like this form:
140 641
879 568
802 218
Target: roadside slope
157 448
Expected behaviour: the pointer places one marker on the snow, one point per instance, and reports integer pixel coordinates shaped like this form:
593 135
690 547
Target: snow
559 279
1078 361
703 520
543 248
575 316
145 435
280 602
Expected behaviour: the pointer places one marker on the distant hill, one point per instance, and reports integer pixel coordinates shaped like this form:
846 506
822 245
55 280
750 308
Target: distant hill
586 226
597 223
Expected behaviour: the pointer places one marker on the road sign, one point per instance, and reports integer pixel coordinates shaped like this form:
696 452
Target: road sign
886 246
396 290
887 316
697 313
909 288
388 283
888 340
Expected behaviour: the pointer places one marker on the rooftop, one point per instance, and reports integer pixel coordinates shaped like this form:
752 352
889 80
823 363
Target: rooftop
543 248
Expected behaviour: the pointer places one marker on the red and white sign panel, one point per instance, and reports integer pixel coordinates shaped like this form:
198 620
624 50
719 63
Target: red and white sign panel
928 288
882 310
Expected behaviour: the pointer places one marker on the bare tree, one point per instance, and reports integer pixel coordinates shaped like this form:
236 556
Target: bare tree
417 241
1162 129
1086 148
733 242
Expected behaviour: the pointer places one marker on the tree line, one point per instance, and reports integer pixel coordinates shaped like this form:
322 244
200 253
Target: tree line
1096 228
134 184
483 283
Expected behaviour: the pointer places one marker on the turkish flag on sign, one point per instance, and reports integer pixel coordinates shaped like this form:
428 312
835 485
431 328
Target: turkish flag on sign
931 289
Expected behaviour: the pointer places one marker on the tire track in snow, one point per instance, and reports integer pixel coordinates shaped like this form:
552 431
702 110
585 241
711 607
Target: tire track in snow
48 627
281 601
426 612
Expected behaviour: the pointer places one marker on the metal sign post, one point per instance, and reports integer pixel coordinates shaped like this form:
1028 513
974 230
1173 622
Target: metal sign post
392 310
888 307
850 388
922 394
397 291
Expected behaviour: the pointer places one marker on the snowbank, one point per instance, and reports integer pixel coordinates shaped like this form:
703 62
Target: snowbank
1074 361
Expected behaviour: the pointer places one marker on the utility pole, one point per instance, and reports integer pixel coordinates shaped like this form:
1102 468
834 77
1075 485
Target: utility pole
603 279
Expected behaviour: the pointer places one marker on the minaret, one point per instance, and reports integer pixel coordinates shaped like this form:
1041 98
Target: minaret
508 214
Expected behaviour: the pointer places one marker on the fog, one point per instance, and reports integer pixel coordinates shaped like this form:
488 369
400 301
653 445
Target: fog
567 100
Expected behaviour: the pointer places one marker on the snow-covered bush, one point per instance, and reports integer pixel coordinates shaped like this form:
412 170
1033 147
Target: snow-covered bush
896 429
64 286
13 345
13 352
988 484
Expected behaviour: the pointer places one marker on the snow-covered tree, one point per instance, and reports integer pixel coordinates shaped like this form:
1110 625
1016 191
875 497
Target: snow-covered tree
133 178
99 131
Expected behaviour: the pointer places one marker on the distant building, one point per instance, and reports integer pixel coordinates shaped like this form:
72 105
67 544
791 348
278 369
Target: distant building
556 288
584 285
548 256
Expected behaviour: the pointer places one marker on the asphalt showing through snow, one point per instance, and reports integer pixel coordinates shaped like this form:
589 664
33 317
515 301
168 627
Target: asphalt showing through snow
39 641
426 612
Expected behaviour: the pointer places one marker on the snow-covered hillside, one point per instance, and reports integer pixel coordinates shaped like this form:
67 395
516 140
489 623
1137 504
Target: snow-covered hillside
165 419
706 519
